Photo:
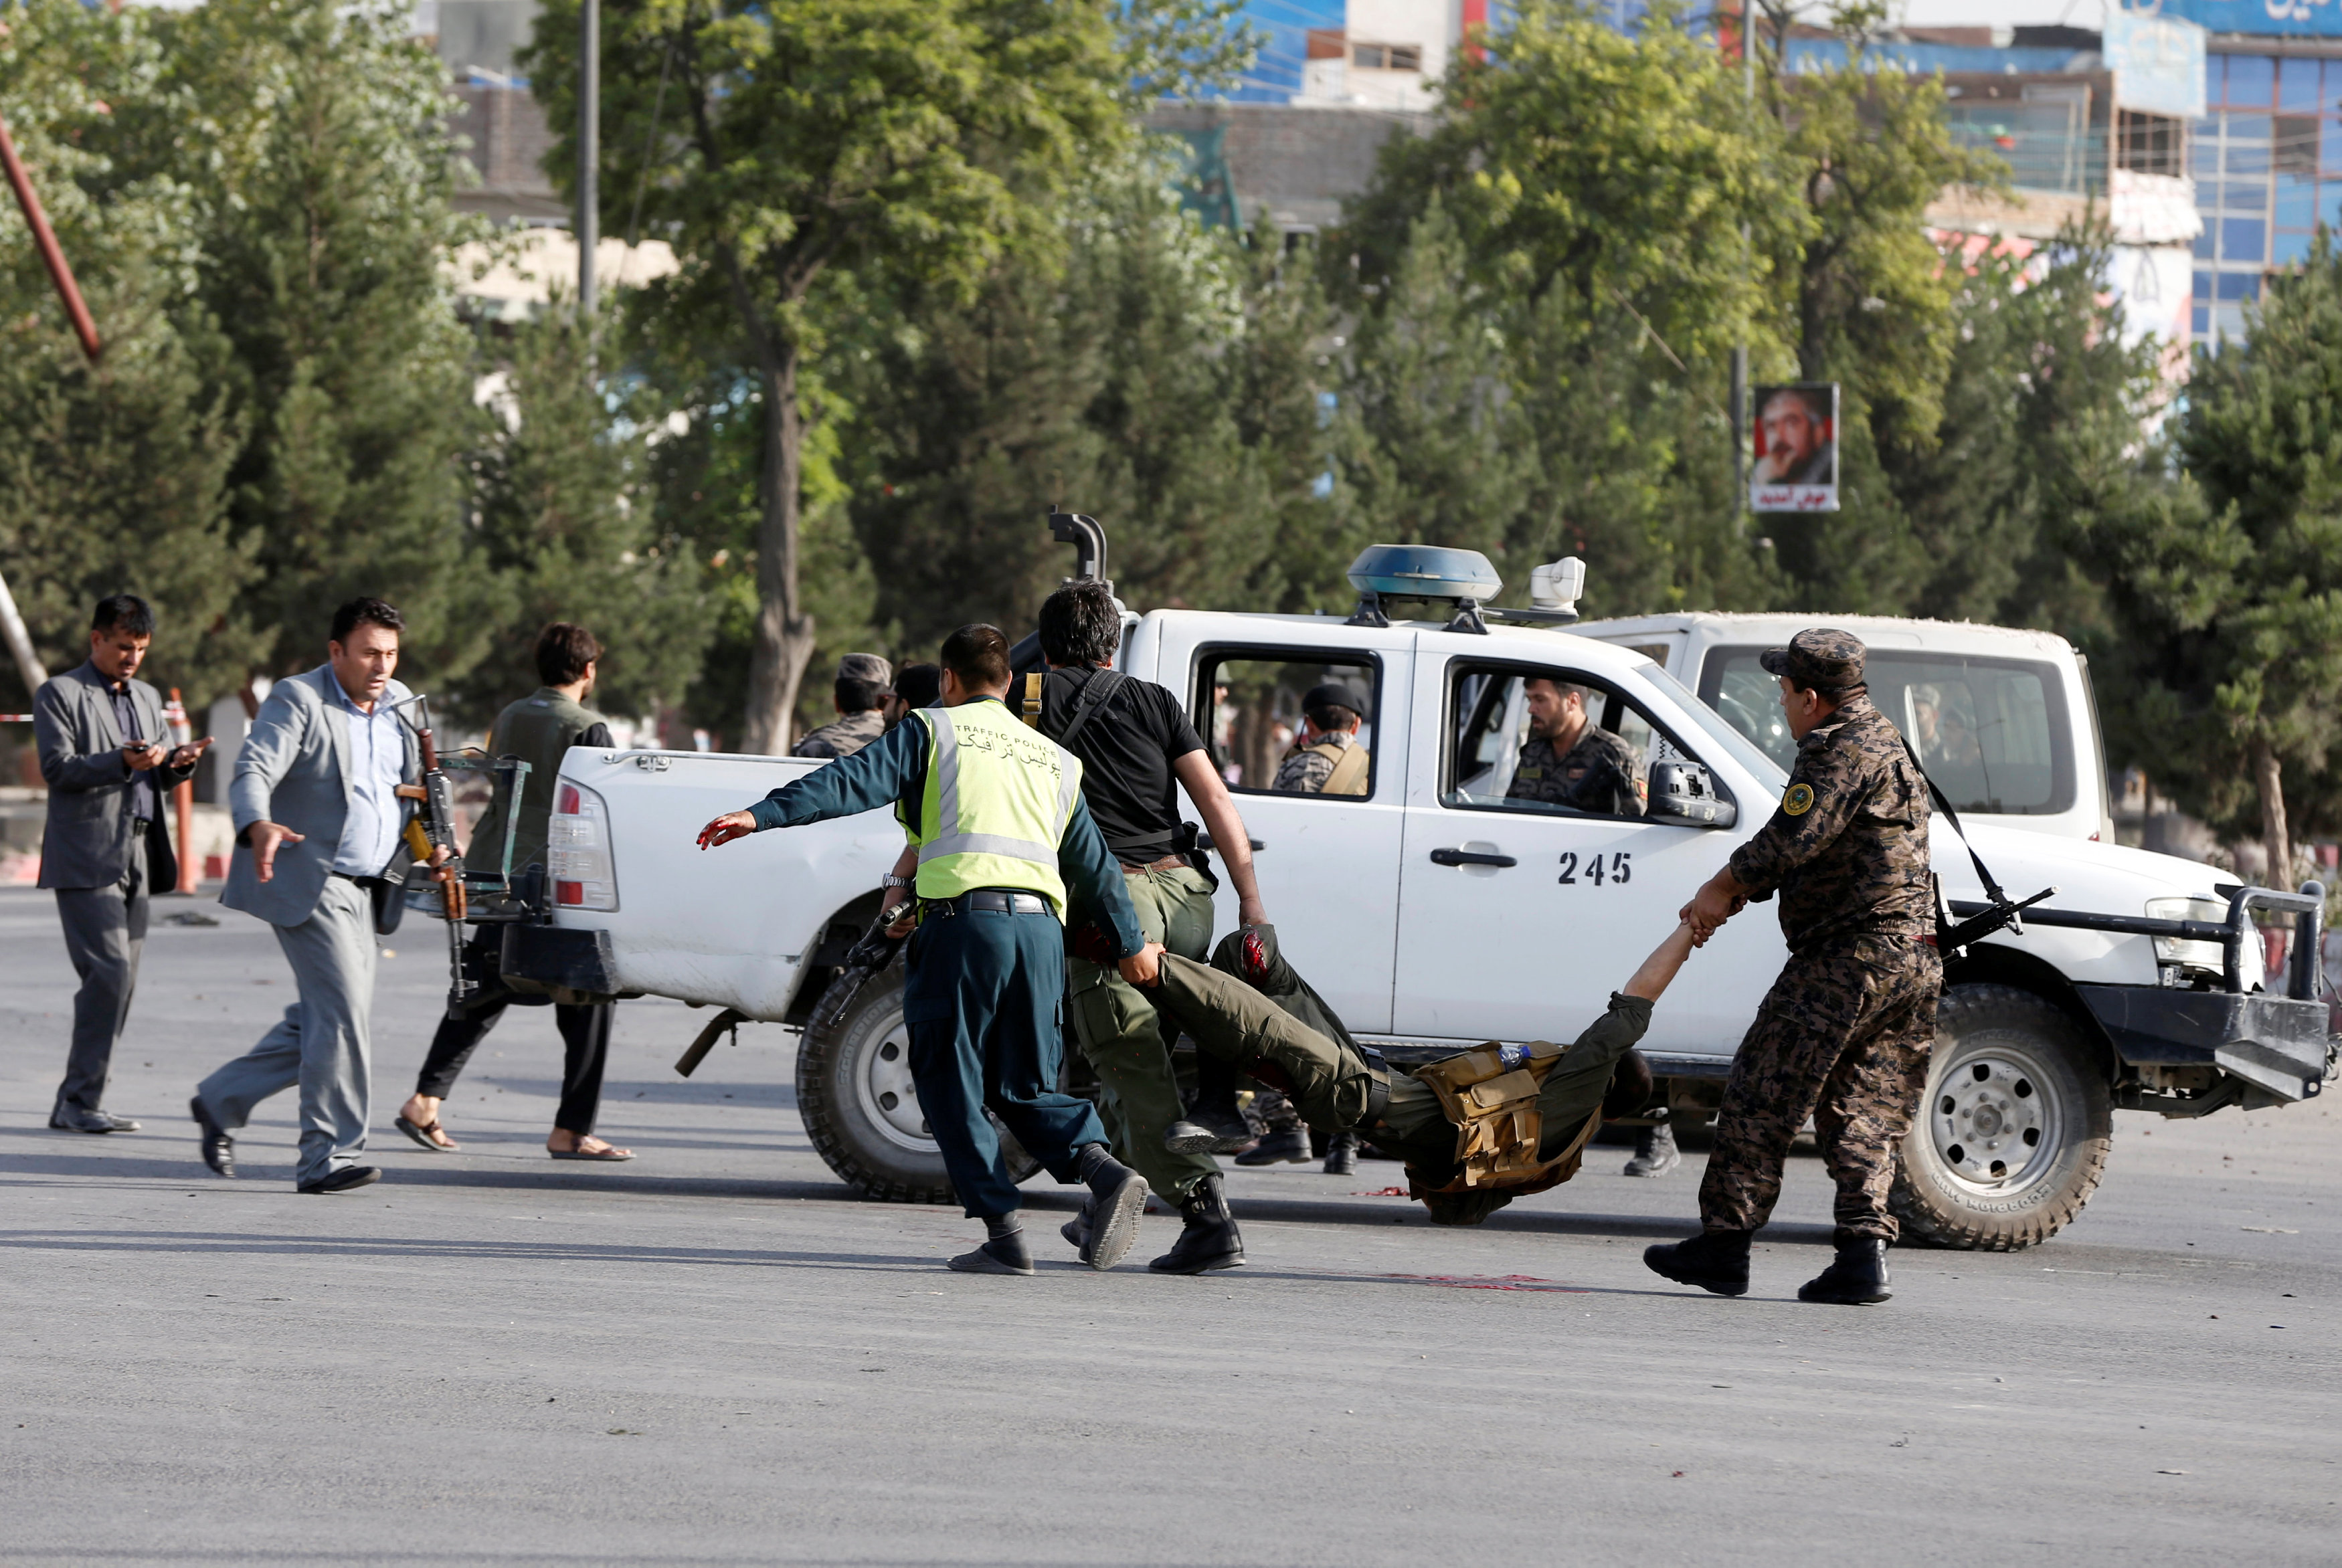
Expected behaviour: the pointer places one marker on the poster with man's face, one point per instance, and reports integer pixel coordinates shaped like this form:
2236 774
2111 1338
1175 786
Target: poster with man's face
1795 437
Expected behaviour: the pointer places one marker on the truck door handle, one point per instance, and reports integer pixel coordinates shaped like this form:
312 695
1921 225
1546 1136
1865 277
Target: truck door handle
1469 857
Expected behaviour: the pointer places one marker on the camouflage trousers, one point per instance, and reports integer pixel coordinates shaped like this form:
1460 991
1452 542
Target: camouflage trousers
1843 1036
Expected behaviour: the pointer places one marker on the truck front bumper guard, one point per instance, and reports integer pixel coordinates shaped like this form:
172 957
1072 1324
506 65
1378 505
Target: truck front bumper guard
2275 1041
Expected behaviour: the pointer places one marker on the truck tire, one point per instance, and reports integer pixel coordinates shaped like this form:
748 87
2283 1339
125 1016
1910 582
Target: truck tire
2014 1134
855 1099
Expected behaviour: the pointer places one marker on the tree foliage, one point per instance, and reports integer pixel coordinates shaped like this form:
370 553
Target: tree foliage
2226 583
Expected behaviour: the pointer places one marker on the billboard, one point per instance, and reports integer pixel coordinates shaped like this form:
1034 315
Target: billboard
2282 18
2157 63
1795 436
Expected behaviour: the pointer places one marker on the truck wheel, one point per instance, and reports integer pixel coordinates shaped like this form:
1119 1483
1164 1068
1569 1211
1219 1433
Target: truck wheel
855 1096
2014 1134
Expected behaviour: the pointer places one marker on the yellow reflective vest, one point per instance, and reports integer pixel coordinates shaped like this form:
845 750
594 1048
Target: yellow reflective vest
998 797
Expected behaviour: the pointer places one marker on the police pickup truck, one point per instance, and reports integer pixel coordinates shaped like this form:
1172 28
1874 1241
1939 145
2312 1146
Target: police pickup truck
1436 911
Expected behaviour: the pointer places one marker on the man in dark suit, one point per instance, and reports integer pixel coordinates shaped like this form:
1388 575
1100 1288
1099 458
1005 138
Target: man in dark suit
104 847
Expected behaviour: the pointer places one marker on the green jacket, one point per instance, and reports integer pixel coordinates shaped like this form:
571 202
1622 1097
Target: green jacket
537 729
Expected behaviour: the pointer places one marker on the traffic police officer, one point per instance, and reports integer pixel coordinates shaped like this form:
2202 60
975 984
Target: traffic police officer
998 832
1137 750
1844 1032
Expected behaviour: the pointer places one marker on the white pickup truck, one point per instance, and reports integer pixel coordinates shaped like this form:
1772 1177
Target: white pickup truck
1433 913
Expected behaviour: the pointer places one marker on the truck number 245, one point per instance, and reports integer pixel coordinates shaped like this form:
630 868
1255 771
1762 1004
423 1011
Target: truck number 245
1620 869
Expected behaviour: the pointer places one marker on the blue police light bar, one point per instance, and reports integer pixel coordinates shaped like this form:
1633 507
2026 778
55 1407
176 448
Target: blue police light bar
1425 572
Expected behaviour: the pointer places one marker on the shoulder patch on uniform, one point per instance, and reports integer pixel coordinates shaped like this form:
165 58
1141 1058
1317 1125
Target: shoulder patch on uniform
1799 800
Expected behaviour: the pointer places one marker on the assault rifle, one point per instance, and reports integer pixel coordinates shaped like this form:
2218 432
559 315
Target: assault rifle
1999 911
434 829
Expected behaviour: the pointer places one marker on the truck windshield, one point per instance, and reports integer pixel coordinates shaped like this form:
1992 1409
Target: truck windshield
1772 775
1993 733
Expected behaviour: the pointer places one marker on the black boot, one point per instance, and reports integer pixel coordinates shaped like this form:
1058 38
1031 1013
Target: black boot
1118 1195
1655 1152
1342 1156
1211 1240
1213 1125
1282 1145
1856 1278
1078 1229
1714 1261
1002 1252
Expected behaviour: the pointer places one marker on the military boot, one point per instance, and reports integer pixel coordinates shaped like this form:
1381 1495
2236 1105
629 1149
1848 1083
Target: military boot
1280 1146
1655 1152
1210 1240
1077 1230
1213 1125
1714 1261
1856 1278
1342 1156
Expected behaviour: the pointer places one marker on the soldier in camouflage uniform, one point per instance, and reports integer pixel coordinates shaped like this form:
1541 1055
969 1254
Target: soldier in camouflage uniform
1331 716
1570 760
860 695
1844 1032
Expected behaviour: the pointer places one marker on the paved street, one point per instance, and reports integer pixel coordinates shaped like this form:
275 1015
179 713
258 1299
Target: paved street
713 1356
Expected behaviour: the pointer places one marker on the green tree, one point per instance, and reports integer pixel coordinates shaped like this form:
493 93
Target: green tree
2225 587
566 531
1164 381
313 138
1445 456
112 477
911 139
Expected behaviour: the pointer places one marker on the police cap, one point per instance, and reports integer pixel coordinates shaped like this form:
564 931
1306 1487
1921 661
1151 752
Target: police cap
1334 695
867 667
1819 660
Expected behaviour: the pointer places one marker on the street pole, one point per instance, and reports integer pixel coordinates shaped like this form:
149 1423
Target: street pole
1740 349
53 255
20 642
589 153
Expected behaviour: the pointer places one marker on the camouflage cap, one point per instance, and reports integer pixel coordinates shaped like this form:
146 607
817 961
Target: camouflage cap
865 668
1818 659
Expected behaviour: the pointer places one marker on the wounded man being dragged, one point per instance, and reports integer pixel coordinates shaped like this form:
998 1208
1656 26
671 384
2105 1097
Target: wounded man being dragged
1476 1129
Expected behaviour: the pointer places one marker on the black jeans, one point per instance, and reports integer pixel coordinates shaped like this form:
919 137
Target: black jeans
585 1036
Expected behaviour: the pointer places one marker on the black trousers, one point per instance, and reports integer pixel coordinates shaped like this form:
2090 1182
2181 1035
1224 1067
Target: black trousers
585 1037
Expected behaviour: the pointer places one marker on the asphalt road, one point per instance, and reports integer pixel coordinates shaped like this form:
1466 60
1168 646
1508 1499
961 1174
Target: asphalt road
715 1355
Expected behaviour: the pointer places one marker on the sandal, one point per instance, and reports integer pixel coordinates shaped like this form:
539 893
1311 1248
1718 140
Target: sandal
606 1153
429 1134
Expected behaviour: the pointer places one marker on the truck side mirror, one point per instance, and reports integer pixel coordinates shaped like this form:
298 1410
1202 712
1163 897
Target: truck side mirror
1685 793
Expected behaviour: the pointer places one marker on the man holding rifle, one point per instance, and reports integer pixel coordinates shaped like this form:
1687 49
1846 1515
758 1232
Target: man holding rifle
317 811
539 729
1844 1034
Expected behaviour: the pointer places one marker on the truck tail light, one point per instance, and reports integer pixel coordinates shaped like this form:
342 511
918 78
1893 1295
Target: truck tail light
577 850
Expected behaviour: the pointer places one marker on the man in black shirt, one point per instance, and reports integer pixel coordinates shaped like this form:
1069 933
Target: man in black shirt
1138 750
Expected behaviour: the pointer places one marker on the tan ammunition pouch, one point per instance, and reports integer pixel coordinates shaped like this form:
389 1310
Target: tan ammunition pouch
1499 1126
1350 764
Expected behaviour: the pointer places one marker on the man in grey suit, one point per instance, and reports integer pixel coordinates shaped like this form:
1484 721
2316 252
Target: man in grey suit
105 846
318 820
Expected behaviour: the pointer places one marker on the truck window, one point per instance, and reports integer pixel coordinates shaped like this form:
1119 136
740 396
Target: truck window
1992 732
1496 761
1249 708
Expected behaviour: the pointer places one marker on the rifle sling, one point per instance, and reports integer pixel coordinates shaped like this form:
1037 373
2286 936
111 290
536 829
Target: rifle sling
1991 888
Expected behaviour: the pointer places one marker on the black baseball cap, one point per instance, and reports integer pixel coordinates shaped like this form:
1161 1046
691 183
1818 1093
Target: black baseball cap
1333 695
1820 660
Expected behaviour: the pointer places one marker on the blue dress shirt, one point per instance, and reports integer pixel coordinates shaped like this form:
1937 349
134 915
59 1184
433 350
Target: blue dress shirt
377 767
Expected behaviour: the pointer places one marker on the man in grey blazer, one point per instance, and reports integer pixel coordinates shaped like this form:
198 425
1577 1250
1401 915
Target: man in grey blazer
104 847
318 819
